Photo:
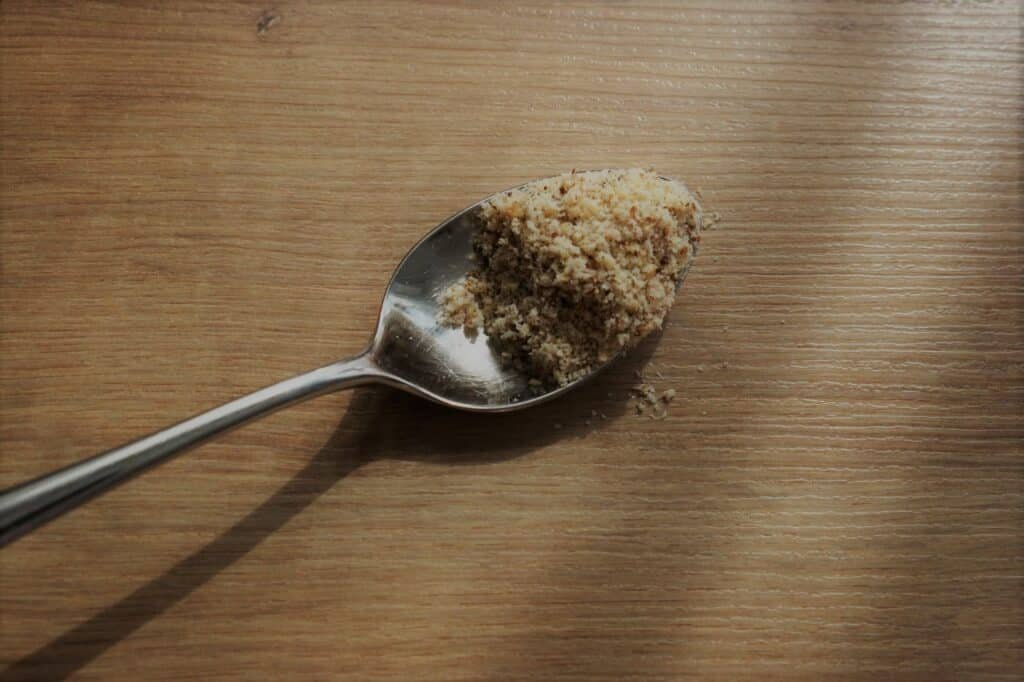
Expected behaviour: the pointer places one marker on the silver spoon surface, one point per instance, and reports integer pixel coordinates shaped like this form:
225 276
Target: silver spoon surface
410 350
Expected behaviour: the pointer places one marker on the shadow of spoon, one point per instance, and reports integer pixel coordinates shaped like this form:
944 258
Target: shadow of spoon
368 431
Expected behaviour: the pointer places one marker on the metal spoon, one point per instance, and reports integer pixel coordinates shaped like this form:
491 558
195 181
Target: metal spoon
410 351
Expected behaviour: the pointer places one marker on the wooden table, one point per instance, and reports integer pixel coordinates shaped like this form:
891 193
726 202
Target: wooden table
202 198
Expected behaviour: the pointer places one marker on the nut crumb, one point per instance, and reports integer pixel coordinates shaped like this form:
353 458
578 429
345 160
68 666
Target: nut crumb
647 401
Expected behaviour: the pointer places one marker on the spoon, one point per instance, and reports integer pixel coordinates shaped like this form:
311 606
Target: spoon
410 350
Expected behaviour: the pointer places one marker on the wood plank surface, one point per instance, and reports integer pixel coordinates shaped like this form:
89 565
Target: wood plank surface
199 198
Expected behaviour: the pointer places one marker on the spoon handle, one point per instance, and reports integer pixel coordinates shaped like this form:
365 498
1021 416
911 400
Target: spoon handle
29 505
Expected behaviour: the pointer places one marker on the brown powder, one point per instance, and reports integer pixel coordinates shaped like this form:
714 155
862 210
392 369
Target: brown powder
572 270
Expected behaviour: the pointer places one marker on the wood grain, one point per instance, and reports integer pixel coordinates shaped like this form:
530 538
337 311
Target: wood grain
201 198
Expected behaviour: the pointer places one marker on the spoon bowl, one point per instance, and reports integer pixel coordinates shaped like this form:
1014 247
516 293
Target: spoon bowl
417 353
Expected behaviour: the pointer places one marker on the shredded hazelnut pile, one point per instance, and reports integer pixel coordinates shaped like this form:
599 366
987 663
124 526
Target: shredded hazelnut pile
572 270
